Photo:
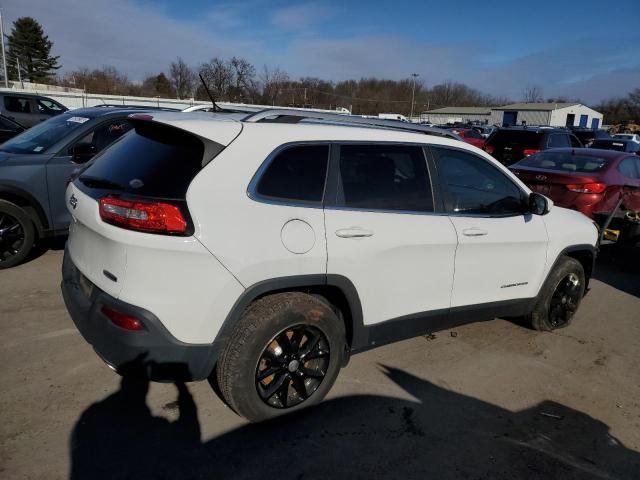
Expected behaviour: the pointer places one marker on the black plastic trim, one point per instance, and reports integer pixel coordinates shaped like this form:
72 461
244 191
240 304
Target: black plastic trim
583 247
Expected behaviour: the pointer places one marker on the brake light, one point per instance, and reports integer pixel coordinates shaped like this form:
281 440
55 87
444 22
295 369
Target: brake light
153 217
530 151
123 320
587 187
489 149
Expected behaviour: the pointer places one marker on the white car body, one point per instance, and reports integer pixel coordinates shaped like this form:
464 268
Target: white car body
400 264
634 137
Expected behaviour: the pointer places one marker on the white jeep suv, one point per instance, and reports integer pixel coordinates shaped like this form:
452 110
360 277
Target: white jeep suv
263 251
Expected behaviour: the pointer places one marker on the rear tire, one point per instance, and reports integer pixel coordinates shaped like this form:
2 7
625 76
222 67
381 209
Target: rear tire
560 296
17 234
284 355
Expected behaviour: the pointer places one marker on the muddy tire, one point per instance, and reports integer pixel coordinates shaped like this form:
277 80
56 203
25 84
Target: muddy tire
284 355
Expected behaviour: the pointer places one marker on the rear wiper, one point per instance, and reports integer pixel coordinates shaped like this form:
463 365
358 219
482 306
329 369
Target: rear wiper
97 182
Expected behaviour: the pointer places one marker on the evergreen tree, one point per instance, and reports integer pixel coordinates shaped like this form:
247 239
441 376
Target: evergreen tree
28 44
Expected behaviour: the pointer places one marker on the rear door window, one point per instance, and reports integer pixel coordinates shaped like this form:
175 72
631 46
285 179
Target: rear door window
384 177
152 160
296 174
17 104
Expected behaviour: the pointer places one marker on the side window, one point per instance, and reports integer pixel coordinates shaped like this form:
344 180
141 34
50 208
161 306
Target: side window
47 106
297 173
474 186
558 140
575 142
384 177
629 167
473 134
103 135
17 104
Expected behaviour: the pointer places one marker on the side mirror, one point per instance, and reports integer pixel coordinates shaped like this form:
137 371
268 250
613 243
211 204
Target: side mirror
82 152
538 204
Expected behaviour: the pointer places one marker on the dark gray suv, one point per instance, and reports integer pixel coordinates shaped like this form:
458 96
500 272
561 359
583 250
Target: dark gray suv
35 167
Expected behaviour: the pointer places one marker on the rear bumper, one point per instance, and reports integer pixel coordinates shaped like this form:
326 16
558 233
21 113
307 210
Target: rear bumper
153 350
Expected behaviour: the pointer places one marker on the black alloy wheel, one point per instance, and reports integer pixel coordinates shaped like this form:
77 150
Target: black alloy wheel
12 237
564 301
292 366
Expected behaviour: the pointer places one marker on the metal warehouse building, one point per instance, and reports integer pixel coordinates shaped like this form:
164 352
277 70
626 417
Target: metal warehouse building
457 114
548 114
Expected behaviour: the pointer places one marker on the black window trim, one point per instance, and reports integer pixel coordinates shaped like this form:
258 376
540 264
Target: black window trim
442 187
252 188
333 185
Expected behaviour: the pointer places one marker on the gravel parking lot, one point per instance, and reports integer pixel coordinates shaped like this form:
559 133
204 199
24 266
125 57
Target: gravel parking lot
489 400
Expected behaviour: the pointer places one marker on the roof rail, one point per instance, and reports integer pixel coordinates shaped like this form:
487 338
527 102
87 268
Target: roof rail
286 115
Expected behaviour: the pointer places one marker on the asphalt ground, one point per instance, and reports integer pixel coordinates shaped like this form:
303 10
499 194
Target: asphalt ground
484 401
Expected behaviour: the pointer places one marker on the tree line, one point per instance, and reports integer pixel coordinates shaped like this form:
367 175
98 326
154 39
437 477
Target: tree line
237 80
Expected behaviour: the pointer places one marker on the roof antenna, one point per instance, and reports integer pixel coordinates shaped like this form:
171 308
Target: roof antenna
216 108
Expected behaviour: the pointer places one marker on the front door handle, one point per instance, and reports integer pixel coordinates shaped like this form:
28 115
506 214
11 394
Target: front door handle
474 232
353 232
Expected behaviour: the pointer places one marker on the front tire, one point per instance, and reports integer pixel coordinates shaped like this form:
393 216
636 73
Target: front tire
284 355
560 296
17 234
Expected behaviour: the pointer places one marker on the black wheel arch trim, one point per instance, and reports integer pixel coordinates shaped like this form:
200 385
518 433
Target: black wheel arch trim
356 333
589 267
40 219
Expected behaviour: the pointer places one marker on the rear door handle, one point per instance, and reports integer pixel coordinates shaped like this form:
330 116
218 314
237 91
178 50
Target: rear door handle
353 232
474 232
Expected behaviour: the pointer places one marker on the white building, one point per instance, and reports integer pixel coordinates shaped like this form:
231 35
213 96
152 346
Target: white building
547 114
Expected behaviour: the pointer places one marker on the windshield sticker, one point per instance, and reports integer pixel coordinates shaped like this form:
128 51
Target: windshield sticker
78 119
38 149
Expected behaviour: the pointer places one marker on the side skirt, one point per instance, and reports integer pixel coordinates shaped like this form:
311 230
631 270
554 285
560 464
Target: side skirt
422 323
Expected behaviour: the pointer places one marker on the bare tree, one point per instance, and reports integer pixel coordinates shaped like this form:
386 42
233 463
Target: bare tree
273 83
218 76
244 79
532 94
183 80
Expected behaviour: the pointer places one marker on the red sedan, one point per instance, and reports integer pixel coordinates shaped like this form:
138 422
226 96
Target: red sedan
469 135
584 179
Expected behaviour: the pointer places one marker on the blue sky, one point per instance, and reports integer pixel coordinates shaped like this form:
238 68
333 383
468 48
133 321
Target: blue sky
578 49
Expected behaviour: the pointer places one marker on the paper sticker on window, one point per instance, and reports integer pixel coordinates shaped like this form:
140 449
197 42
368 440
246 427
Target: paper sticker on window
38 149
78 119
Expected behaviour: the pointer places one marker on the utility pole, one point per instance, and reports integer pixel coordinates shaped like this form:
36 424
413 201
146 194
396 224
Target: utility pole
19 74
4 58
413 92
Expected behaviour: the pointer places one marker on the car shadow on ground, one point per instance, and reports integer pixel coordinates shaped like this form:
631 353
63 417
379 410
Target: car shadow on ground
619 268
441 434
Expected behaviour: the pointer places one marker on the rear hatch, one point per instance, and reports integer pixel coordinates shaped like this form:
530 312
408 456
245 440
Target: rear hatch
509 146
142 181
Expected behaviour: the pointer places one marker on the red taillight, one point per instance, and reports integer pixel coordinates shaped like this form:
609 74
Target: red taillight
587 187
155 217
123 320
530 151
489 149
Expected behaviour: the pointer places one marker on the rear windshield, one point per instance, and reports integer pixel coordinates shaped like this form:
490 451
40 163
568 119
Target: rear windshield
515 137
564 162
152 160
609 145
42 136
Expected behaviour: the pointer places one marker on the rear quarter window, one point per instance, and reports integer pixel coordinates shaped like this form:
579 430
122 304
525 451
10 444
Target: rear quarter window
152 160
